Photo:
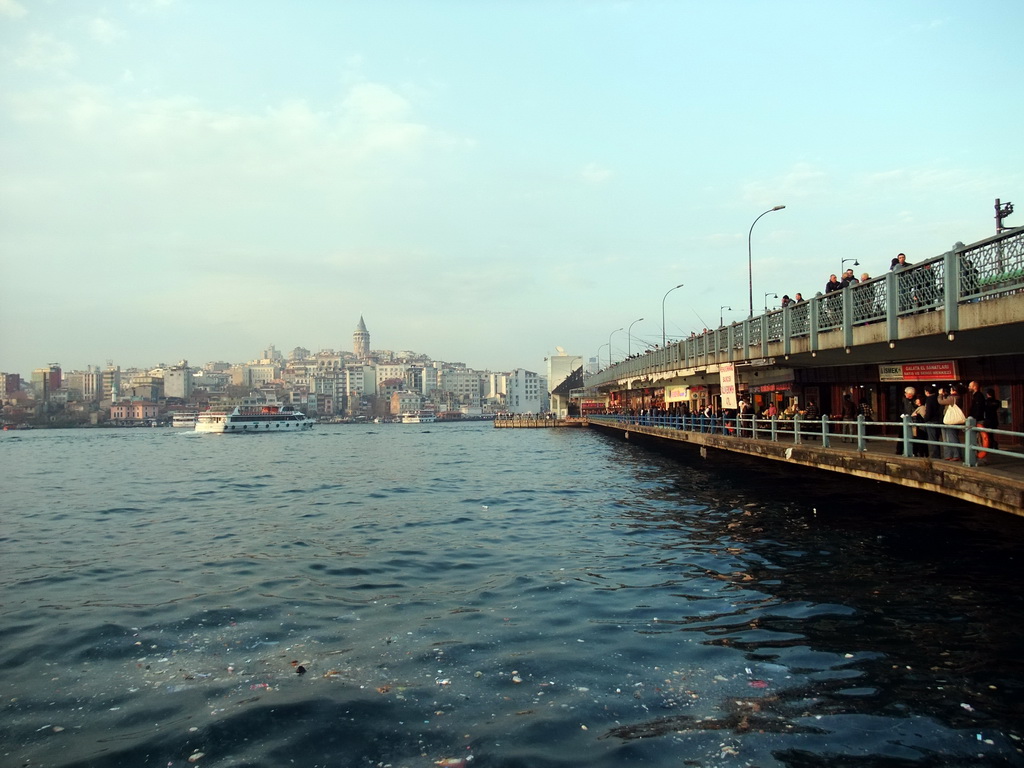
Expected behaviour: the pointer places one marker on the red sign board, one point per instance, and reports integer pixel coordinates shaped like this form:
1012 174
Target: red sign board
944 370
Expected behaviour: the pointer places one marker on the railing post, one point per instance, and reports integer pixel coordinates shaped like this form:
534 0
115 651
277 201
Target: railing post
862 444
826 438
970 442
796 429
847 316
951 286
775 429
892 307
907 431
813 319
787 328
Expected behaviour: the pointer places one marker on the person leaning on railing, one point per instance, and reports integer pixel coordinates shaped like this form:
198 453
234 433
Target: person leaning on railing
919 431
907 407
932 420
812 416
849 416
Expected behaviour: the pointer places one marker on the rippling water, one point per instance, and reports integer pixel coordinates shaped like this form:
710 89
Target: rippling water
457 595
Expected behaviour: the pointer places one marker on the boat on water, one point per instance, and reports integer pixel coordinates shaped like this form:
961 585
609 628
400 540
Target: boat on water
260 418
184 419
418 417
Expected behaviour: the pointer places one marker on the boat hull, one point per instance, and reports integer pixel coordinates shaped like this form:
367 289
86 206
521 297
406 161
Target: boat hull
228 427
253 422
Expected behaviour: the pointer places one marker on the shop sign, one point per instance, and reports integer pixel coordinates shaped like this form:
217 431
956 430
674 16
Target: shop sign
784 386
677 394
944 370
727 378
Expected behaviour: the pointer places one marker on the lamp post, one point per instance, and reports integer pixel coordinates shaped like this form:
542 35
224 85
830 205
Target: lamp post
663 313
773 295
843 264
750 261
610 344
599 353
629 337
721 316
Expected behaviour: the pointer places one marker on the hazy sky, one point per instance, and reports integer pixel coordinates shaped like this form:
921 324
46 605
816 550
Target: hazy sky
482 181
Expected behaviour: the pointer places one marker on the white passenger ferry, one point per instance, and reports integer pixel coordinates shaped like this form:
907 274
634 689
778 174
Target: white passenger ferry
418 417
249 418
184 419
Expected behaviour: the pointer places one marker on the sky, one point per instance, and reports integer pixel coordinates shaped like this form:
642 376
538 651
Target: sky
483 182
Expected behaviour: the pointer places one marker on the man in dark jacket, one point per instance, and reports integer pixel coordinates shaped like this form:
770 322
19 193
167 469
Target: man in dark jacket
932 420
907 407
977 406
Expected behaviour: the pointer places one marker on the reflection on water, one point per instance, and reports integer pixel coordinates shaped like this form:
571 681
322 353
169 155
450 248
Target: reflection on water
459 595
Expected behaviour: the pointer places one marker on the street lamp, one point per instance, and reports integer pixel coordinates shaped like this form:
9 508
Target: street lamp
773 295
599 353
663 313
750 262
721 316
610 344
843 264
629 337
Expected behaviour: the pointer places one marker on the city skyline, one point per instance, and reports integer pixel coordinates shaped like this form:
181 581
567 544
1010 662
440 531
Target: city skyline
367 355
486 182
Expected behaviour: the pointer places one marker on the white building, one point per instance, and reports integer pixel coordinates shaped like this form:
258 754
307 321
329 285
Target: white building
464 385
387 371
526 392
560 367
178 381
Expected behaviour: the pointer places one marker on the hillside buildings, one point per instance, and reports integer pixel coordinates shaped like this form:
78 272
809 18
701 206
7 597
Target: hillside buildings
332 384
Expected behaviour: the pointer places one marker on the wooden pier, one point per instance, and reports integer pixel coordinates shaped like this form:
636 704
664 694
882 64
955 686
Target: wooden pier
528 421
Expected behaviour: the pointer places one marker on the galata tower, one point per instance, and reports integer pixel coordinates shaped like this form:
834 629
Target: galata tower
361 340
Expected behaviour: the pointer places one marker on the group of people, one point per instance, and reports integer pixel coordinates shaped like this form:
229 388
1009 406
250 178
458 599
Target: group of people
848 278
938 411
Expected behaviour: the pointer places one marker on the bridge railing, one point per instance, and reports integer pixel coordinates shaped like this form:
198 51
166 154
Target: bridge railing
984 270
963 442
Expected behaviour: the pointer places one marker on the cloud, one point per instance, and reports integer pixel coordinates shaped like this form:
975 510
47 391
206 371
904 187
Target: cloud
592 173
105 31
373 102
43 52
11 9
371 119
801 181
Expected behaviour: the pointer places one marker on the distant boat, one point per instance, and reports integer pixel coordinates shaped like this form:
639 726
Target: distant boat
248 418
184 419
419 417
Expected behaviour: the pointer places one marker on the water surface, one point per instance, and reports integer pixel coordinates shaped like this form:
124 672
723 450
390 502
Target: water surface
417 595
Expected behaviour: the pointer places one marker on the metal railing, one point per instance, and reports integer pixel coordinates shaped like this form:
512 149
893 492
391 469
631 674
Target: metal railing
966 274
962 442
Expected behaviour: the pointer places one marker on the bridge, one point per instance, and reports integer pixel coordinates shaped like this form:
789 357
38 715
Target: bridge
956 317
967 302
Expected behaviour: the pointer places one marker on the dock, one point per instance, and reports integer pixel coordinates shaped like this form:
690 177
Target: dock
532 421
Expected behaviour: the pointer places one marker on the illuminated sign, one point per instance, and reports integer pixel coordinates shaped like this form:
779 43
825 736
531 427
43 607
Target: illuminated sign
944 370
